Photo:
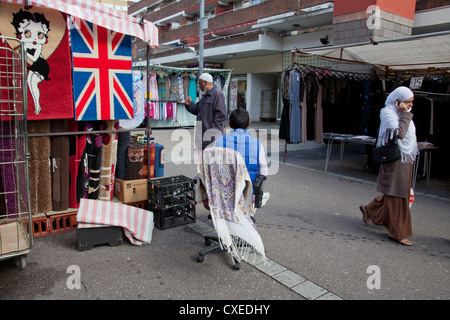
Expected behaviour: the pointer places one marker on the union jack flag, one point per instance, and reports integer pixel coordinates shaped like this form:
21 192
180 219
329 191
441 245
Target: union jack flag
102 75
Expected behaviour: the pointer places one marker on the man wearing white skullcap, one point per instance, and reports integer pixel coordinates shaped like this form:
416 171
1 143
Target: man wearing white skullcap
210 110
206 77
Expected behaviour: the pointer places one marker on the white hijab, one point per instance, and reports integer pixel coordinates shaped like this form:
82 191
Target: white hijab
390 118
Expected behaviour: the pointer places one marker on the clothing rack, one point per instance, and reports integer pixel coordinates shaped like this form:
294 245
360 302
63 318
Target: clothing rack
433 95
303 68
184 117
324 72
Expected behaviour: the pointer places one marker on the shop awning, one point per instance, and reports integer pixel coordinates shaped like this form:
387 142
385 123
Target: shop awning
423 52
102 15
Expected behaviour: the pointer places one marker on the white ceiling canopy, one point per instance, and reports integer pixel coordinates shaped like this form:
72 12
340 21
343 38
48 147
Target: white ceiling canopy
423 52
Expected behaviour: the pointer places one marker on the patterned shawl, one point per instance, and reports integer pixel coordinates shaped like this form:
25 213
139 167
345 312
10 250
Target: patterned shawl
225 181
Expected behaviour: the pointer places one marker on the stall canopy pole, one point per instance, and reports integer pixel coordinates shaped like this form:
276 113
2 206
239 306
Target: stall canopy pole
147 99
293 53
201 37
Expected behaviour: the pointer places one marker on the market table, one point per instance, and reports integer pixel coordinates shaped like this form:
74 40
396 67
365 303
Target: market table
426 148
343 138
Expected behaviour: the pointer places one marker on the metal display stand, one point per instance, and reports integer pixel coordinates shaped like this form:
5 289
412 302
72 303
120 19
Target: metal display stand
16 235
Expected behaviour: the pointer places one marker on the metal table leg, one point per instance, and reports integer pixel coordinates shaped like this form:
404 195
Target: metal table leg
428 165
415 170
327 159
342 153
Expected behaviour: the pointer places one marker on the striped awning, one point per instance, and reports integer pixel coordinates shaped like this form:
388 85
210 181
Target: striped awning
102 15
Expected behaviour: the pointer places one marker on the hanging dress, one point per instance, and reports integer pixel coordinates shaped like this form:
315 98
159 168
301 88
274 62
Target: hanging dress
193 88
296 112
185 85
162 93
181 88
153 84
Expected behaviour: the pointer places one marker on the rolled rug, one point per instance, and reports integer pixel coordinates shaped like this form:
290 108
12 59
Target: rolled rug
39 172
108 160
59 157
122 155
77 163
93 151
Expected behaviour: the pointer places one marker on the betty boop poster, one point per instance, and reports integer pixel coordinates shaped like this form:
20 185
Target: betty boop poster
44 34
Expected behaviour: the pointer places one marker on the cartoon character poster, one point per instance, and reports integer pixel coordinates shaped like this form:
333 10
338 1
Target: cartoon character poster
43 32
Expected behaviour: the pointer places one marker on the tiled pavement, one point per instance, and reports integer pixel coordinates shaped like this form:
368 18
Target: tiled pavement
283 275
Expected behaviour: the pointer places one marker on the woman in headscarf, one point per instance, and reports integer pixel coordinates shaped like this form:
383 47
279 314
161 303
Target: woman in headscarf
391 209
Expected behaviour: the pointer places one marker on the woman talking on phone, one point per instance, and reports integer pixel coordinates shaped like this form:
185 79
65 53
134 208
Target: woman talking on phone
391 209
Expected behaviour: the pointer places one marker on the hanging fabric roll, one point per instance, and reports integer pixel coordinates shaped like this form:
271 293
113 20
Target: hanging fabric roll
108 160
39 172
59 157
77 163
122 155
94 148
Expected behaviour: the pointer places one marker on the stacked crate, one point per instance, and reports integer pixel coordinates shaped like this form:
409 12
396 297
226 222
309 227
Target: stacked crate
172 201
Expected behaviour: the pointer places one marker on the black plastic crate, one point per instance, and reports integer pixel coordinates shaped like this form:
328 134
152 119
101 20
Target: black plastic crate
176 190
173 215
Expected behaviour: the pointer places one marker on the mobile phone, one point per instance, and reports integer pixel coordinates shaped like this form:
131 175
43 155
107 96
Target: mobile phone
399 104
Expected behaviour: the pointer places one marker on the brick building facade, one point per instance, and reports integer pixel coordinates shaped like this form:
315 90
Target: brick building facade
254 38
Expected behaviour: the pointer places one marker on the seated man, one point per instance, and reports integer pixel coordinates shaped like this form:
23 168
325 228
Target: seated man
250 148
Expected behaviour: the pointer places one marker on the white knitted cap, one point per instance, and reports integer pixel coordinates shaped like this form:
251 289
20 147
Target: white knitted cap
206 77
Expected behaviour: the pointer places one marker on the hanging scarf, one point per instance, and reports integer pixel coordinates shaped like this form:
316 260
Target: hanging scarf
225 181
390 119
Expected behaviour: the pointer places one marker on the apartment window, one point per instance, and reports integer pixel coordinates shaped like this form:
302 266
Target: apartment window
174 25
210 13
142 52
242 4
245 3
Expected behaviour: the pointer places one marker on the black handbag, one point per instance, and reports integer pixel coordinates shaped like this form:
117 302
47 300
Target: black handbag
386 154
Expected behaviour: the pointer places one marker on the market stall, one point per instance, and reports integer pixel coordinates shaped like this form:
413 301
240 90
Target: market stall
393 56
168 89
80 99
419 62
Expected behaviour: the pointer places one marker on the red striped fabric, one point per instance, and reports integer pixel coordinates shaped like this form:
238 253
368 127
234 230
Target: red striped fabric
102 15
137 223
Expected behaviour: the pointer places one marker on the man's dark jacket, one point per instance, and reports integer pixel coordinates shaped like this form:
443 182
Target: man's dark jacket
211 111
